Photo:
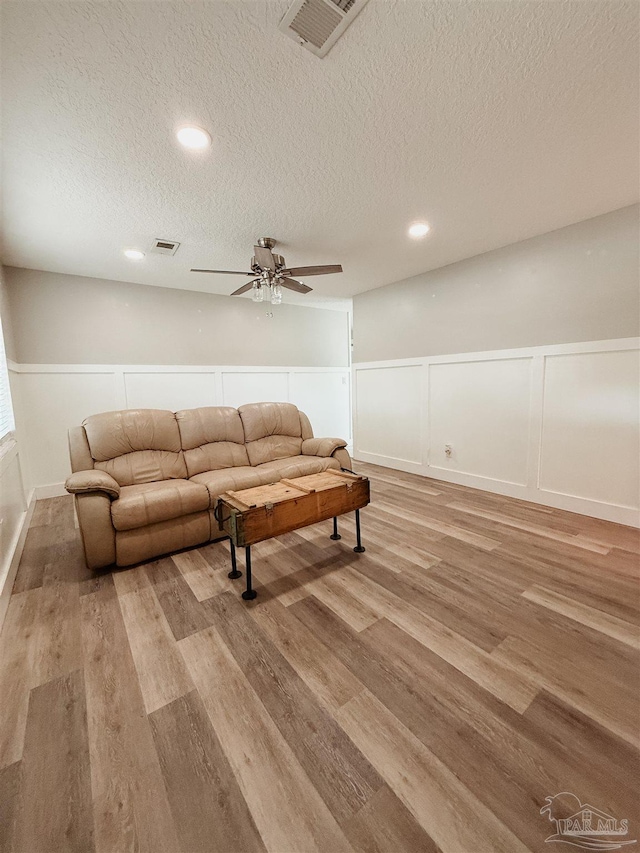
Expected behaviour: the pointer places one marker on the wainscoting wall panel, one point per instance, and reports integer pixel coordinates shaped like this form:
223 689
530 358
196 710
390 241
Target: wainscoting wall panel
245 387
494 443
47 405
15 514
556 425
169 390
48 399
388 409
325 398
590 426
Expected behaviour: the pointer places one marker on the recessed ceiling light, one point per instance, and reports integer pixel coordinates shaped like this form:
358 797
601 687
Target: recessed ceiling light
418 229
134 254
193 137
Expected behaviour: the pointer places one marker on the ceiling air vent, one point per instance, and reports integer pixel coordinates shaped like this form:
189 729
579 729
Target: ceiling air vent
165 247
318 24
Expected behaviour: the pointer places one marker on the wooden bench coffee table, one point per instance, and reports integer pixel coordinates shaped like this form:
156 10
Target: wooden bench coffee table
253 515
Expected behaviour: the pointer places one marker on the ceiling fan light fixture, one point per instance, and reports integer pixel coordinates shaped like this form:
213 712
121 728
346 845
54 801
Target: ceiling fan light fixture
271 274
194 138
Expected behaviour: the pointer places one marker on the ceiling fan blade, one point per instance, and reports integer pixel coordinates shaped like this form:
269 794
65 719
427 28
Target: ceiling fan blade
226 272
244 288
298 286
264 258
323 270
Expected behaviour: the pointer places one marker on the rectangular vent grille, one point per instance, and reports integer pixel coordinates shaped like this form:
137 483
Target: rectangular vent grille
345 5
318 24
315 22
165 247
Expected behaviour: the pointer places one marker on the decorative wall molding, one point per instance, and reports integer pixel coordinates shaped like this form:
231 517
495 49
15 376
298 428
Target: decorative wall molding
50 398
555 425
12 493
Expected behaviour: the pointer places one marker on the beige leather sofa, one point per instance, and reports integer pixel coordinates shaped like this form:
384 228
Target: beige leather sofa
145 481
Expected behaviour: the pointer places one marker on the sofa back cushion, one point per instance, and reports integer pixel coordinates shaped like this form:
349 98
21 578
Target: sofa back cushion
212 439
271 431
136 445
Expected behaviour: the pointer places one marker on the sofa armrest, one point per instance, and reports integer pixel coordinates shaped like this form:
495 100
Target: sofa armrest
321 446
96 529
83 482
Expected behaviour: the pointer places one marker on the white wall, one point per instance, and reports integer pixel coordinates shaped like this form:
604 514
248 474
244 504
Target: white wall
578 283
51 398
70 319
557 425
14 513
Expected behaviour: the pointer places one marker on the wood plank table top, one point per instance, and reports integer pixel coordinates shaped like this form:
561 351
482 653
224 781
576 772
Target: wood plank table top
262 512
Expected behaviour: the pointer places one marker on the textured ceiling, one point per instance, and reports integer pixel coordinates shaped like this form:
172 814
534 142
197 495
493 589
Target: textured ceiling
493 121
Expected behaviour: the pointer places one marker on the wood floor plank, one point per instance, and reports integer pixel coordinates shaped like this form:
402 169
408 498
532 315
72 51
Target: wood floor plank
454 818
537 529
614 536
494 675
209 810
59 649
344 779
54 803
486 543
295 585
330 681
350 608
571 735
184 612
9 789
162 674
612 708
421 488
204 581
34 558
18 651
614 627
130 805
383 544
285 805
469 619
385 825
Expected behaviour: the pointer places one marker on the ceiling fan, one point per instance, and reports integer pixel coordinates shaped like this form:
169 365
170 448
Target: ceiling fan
270 274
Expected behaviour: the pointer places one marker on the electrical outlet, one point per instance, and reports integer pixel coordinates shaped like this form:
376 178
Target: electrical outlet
448 450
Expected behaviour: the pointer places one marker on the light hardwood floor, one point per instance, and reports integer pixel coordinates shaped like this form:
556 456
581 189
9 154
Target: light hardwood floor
425 696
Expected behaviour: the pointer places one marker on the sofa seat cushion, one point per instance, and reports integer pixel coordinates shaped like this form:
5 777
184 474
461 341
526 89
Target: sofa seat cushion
150 503
295 466
217 482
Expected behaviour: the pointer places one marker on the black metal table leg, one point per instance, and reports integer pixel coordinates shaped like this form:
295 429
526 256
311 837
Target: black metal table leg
335 534
249 592
234 573
359 547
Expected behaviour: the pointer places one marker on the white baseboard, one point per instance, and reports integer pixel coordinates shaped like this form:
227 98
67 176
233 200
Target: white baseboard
53 490
13 558
582 506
